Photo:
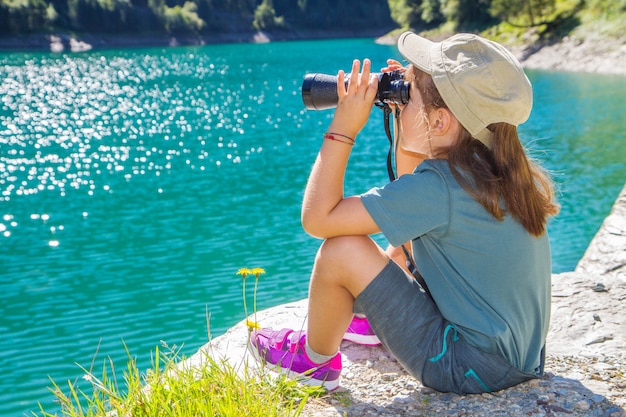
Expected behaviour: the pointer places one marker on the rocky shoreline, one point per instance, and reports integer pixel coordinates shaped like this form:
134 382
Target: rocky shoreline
585 365
591 53
582 51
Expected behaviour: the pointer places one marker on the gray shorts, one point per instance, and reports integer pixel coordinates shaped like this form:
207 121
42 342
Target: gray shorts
411 327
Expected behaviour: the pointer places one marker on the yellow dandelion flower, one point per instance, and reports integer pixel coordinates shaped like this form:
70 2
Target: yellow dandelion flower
252 325
257 271
244 272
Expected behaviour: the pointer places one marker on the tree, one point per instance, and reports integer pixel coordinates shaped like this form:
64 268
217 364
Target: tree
403 12
106 16
472 15
265 17
239 6
416 13
183 19
23 16
523 13
431 12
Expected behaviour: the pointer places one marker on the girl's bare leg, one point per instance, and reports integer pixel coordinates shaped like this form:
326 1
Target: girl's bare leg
344 266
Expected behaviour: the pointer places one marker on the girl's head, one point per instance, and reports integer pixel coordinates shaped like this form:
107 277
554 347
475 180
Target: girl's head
428 127
467 87
478 80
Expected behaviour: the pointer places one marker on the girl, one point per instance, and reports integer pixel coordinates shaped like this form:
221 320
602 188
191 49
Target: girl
470 205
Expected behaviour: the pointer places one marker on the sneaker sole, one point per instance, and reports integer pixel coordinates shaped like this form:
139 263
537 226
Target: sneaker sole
367 340
301 378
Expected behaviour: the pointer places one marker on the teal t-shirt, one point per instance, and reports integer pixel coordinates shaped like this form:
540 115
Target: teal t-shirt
490 278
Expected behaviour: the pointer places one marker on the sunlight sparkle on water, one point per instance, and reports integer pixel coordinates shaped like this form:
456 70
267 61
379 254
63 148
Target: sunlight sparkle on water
78 120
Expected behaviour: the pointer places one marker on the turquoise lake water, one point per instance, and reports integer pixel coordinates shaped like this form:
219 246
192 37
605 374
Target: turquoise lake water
135 183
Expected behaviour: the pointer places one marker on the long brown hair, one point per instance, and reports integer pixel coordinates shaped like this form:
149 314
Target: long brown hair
502 179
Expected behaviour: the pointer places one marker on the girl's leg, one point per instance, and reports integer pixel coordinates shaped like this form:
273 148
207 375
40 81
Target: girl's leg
344 266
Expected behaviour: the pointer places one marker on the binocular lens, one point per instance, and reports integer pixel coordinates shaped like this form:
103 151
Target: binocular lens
319 91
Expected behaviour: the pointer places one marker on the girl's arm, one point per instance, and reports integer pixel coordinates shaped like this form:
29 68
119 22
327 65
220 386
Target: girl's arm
325 211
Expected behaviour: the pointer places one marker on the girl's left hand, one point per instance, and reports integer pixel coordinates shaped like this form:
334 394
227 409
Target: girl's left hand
393 65
355 101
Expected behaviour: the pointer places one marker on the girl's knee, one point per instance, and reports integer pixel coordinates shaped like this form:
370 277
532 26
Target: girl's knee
351 261
337 244
347 248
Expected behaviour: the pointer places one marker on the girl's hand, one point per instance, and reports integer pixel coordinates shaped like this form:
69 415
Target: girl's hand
355 101
393 65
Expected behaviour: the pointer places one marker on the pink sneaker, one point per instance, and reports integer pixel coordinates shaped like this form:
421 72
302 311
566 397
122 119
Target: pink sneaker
283 351
359 331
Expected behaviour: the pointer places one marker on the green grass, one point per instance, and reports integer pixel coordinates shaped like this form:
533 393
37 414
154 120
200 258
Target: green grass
213 388
174 388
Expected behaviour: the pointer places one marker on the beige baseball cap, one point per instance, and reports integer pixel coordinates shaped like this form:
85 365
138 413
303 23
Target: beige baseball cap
480 81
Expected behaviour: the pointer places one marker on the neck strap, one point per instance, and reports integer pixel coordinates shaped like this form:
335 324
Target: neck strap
386 108
387 118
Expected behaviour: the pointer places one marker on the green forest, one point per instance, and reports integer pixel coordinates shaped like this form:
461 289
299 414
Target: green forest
281 17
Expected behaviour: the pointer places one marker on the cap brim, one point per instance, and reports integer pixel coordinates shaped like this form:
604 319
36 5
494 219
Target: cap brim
416 50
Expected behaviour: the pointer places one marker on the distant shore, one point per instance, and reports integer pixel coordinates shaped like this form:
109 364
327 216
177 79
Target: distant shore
584 52
592 54
85 42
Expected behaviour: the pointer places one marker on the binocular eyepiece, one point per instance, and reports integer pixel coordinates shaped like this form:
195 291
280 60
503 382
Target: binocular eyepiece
319 91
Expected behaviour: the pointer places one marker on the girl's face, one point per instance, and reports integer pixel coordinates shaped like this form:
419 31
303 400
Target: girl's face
414 133
417 121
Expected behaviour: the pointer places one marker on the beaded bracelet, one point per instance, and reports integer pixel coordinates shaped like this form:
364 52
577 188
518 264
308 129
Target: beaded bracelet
333 136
